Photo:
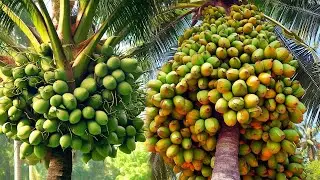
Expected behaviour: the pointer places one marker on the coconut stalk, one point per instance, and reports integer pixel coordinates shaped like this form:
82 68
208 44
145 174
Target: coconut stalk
37 20
82 7
85 22
82 60
55 42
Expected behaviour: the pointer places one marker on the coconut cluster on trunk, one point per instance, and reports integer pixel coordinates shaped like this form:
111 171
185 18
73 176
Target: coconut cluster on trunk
39 107
231 66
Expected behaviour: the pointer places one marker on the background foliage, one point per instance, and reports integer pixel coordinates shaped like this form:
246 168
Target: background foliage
313 171
133 166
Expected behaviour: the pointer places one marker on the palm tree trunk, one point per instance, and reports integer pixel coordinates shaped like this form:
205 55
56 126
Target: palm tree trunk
30 173
226 164
17 161
60 167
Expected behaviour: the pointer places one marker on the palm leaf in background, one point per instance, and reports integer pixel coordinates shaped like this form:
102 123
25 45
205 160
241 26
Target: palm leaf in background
135 20
300 16
134 15
16 6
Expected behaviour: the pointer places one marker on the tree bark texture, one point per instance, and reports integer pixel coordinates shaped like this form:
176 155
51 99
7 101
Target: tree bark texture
60 166
226 165
17 160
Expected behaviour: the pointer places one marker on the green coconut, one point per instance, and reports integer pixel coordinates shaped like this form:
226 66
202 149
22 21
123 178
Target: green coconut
90 84
124 88
60 87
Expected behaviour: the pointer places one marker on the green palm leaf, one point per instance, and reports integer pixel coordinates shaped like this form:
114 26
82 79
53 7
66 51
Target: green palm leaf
15 6
138 16
164 39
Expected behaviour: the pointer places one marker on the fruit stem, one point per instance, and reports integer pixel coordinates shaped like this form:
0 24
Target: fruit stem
85 23
82 7
64 28
82 60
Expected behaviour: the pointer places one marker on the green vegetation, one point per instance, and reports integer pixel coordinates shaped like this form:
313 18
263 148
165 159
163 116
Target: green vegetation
313 171
132 166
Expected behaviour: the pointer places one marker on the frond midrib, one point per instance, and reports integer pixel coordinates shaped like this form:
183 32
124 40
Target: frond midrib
296 8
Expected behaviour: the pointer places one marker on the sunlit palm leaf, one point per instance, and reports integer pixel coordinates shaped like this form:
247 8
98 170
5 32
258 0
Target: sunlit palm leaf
135 14
8 27
142 18
16 6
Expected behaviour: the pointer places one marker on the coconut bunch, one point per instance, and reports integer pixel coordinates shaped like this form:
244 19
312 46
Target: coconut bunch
231 69
99 116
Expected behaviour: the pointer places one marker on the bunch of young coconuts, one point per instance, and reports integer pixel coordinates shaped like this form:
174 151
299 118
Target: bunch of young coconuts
98 117
232 65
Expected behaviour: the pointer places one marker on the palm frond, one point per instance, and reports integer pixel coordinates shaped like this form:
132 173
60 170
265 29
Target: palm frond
161 47
9 13
14 5
8 42
309 77
22 19
300 16
136 15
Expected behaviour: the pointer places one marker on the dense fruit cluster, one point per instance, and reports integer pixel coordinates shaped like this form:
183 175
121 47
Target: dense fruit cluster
38 107
232 65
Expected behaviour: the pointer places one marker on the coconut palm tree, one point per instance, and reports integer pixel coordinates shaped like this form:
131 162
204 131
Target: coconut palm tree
309 145
298 27
75 29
